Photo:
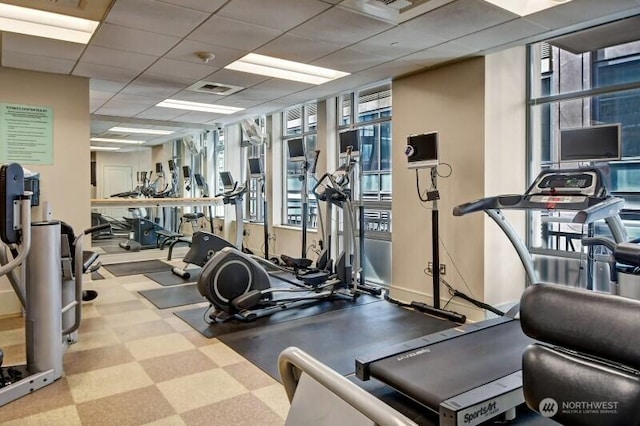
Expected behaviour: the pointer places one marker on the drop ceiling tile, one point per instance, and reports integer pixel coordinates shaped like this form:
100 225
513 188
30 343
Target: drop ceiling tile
240 102
191 96
104 72
236 78
98 98
154 16
40 46
233 34
187 70
132 40
575 12
199 117
105 85
100 126
439 54
350 60
146 85
209 6
269 13
391 69
398 41
126 99
35 63
160 113
502 34
117 58
186 49
458 19
340 26
273 89
297 48
120 109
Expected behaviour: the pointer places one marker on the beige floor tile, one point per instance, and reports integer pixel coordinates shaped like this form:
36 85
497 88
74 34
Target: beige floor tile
158 346
14 354
221 354
48 398
197 339
197 390
12 337
142 330
133 408
131 317
97 323
148 284
82 361
120 307
177 324
249 375
113 294
167 367
242 410
168 421
95 339
275 397
107 381
11 323
89 311
65 416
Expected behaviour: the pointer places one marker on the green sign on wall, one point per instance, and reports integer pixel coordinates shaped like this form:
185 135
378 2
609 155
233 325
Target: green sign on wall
26 134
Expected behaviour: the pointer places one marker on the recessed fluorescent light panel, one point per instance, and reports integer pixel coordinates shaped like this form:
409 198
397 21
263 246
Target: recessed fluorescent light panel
129 141
197 106
22 20
140 131
526 7
287 70
104 148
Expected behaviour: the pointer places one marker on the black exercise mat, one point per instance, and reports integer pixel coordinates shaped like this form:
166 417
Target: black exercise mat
134 268
171 297
167 278
95 276
335 338
195 317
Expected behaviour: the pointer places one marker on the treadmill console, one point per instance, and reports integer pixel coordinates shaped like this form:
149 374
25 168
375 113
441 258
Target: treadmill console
566 187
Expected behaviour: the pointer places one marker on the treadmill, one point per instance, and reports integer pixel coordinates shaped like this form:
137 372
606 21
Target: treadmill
472 373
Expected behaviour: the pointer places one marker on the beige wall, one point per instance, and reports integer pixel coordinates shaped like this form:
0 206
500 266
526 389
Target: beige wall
65 184
449 100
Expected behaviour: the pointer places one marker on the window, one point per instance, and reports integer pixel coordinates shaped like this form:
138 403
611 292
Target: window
368 110
295 120
573 90
218 158
255 193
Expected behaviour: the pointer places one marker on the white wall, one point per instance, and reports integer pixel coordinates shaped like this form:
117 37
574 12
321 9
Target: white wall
66 183
505 168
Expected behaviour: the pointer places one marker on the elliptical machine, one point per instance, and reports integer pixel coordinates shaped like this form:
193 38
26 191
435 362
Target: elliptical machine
205 244
239 286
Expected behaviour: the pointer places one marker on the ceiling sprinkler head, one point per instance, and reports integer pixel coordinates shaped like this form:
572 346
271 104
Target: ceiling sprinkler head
205 56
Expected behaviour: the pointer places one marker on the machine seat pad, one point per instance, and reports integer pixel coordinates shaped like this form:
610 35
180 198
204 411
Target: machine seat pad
298 263
193 216
571 380
628 254
597 324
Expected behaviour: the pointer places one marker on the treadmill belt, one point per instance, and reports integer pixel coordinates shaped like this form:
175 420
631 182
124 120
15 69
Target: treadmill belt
443 370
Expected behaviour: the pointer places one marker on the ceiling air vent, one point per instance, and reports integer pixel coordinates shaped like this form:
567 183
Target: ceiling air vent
393 11
218 89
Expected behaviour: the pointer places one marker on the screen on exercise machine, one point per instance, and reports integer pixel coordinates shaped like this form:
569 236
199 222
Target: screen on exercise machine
350 138
296 150
422 150
590 144
199 180
227 180
255 167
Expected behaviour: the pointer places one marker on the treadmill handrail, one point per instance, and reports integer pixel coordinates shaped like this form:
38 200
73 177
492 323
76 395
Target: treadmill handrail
293 361
602 210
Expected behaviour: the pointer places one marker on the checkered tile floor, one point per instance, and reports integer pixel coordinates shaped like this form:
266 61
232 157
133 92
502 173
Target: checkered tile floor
135 365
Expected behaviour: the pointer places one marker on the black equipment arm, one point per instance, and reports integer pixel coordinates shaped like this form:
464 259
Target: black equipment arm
474 206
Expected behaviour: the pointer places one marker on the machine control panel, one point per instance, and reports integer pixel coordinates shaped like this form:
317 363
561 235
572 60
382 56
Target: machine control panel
566 186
